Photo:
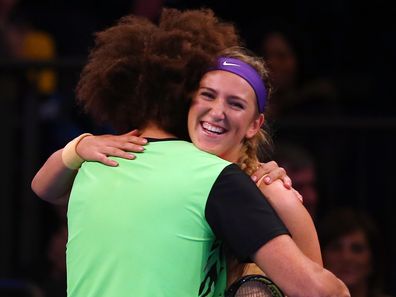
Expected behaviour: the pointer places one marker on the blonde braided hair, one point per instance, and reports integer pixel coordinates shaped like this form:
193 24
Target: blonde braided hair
249 161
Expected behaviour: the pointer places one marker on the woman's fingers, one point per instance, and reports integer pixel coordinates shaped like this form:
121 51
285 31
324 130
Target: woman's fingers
278 173
106 161
136 140
298 195
116 152
134 137
270 172
99 148
134 132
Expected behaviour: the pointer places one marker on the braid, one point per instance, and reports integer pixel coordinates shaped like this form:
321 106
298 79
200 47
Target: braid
249 160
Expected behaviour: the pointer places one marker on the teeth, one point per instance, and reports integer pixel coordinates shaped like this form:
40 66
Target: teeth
211 128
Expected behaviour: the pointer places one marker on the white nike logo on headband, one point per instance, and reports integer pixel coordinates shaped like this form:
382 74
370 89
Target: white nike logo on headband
225 63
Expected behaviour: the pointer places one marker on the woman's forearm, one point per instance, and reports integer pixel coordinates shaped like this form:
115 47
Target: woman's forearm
54 180
296 218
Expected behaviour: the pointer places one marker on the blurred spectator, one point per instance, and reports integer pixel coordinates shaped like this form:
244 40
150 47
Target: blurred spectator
21 89
297 90
352 250
300 166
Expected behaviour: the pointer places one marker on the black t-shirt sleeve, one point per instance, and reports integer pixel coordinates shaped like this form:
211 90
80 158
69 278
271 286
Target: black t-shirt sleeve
240 215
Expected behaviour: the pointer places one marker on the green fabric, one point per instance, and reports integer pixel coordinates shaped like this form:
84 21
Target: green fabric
139 229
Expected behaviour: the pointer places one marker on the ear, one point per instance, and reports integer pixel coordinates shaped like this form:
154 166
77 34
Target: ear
255 126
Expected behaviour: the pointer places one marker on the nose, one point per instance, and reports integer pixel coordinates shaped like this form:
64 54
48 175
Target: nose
217 109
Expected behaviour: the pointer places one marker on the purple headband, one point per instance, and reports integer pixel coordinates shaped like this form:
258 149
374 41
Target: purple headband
248 73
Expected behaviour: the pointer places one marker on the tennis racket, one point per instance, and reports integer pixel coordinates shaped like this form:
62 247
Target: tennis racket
254 285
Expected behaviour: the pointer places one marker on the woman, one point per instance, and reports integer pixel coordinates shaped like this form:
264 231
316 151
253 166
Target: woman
223 122
225 118
351 246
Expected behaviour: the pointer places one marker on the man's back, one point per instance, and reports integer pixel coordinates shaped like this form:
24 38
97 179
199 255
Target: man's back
139 229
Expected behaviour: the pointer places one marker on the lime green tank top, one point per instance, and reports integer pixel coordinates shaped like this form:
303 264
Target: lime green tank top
139 229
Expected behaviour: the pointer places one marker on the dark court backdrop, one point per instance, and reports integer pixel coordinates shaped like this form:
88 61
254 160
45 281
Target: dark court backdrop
341 107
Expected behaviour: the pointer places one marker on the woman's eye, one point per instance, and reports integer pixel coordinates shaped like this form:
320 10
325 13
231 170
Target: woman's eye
207 95
237 105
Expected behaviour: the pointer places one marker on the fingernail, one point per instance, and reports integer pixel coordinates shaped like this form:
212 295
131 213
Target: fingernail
144 140
254 178
267 179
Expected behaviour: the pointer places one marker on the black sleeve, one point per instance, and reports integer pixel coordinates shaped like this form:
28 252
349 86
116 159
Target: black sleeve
240 215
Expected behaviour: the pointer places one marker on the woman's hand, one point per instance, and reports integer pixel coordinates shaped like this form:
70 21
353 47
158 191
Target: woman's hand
270 172
99 148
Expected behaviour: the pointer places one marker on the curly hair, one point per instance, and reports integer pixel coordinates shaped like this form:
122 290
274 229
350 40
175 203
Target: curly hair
140 72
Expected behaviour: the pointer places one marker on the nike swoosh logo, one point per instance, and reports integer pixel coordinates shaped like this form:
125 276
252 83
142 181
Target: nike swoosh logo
225 63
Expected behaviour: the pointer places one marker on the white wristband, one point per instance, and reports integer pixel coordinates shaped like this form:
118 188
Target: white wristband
70 157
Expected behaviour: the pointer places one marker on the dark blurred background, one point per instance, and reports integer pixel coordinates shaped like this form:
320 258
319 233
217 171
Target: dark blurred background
333 69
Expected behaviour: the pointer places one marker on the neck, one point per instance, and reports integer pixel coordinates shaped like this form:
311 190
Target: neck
152 130
232 155
234 158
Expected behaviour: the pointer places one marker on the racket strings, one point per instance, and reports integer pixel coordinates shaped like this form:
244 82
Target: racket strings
253 289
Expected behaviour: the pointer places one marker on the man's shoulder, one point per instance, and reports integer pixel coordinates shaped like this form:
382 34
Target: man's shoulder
187 150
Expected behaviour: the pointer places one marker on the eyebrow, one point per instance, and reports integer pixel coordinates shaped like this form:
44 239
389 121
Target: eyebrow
207 88
232 96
